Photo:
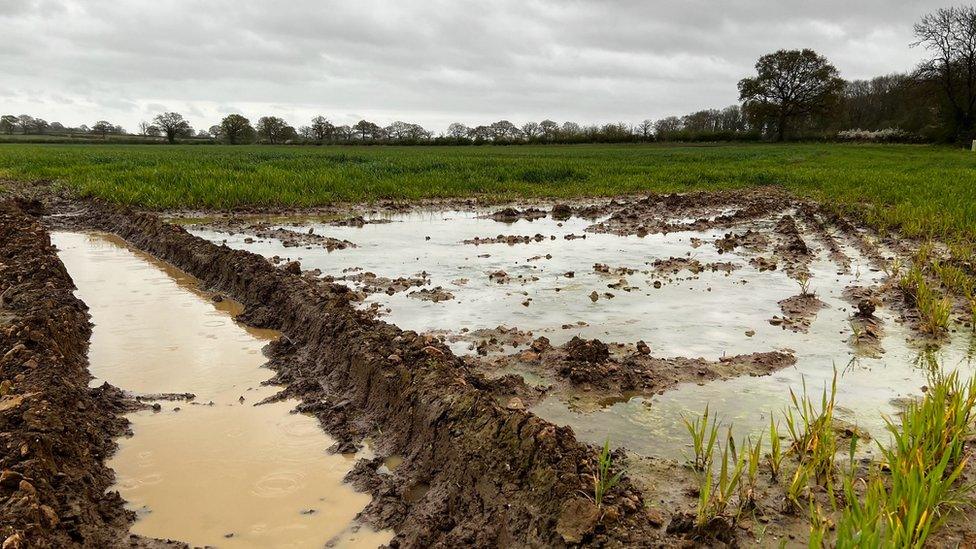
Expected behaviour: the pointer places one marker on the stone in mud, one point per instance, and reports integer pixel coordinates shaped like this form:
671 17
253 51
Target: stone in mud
643 348
577 518
293 267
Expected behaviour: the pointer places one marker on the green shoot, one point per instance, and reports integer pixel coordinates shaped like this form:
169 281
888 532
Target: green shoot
775 456
603 481
703 438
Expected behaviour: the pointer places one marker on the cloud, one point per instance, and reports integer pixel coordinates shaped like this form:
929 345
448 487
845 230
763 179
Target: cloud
431 62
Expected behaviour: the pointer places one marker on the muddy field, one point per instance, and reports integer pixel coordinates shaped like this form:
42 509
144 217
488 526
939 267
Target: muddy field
464 362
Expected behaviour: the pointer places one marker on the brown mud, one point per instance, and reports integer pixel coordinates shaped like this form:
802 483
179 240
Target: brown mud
362 378
476 469
55 431
614 369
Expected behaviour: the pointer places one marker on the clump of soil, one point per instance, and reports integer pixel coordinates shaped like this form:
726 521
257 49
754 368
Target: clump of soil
256 230
432 294
357 221
369 283
511 215
511 240
798 312
616 368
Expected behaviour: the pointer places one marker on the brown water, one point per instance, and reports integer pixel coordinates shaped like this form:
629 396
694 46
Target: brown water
215 471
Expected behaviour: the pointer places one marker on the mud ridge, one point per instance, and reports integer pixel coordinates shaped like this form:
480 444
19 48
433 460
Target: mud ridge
474 473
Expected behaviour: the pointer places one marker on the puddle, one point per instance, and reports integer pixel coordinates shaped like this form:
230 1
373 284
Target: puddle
708 315
226 474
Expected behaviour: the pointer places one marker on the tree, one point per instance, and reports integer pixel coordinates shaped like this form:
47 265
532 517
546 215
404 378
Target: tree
41 125
950 34
646 129
26 123
367 129
102 128
458 130
344 132
321 129
790 85
549 129
398 130
172 125
8 123
503 130
235 129
570 130
272 129
531 130
666 128
147 129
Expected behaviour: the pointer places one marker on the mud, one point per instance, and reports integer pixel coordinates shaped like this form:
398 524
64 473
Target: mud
55 431
290 239
362 377
463 423
593 365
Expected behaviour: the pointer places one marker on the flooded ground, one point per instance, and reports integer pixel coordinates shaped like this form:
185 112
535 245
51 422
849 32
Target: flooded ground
216 469
461 281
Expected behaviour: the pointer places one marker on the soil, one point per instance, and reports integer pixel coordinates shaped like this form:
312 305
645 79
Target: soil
798 312
258 230
362 377
55 431
593 365
478 469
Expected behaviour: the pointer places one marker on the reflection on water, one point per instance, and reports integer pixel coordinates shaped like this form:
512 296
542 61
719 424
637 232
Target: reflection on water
709 316
217 470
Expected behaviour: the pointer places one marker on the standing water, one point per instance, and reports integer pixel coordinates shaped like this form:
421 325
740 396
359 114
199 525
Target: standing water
216 470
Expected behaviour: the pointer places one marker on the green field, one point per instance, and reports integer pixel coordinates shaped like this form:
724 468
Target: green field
922 190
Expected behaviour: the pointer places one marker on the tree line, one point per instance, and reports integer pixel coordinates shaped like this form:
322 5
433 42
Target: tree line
794 94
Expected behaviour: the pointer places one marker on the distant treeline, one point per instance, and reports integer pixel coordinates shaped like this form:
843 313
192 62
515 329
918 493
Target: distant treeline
795 95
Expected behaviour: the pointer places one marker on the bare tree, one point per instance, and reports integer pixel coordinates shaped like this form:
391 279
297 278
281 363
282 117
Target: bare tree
531 130
26 123
646 129
173 125
790 85
950 34
457 130
367 129
666 128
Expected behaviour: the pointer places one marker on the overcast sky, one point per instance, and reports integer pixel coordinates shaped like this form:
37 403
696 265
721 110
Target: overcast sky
431 62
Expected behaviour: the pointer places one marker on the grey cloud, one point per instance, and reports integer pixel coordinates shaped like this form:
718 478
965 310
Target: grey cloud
430 62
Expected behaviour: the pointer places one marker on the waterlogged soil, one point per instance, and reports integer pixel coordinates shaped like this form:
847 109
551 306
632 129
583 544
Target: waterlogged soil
453 346
684 289
205 463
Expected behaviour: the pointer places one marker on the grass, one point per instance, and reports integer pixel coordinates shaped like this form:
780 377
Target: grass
921 190
703 437
934 310
603 481
926 460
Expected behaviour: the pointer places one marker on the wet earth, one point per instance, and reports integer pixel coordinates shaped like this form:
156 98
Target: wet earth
430 374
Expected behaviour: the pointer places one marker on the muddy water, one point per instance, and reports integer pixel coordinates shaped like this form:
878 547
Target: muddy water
216 470
708 316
